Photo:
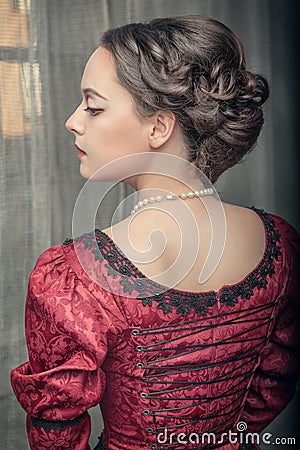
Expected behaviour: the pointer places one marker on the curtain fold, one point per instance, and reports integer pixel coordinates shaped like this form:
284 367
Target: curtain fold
43 48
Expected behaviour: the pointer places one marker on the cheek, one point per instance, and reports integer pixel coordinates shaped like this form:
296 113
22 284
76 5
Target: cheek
122 135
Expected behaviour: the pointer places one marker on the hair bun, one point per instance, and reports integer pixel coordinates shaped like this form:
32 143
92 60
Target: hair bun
256 89
195 67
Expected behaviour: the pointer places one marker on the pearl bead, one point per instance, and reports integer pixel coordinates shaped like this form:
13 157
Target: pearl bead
182 196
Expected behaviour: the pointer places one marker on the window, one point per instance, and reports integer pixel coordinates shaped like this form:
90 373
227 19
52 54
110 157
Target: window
20 88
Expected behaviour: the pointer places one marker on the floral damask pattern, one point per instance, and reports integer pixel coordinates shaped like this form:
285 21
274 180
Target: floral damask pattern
190 362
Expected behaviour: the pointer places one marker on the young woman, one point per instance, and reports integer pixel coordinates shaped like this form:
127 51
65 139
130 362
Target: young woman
173 363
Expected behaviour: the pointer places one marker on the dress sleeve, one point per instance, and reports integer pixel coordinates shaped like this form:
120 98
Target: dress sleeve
275 379
67 338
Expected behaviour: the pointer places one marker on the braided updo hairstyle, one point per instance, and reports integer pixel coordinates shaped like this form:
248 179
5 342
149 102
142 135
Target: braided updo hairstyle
195 67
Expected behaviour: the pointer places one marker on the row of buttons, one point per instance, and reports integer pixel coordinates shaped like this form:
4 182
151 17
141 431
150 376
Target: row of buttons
140 365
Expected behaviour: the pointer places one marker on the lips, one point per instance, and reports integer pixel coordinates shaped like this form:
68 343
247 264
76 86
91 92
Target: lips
80 149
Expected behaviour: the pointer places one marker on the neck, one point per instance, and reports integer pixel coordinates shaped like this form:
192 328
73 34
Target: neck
168 173
148 185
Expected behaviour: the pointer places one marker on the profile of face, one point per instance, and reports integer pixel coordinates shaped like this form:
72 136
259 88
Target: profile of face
105 124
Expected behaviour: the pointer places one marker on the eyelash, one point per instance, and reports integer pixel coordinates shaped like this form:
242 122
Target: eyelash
93 111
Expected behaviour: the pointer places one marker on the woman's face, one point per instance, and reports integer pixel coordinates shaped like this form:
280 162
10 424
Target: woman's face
105 124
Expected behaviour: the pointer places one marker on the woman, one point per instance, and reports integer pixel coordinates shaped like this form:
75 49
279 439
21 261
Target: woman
174 363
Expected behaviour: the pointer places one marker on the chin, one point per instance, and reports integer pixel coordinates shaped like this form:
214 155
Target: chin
84 172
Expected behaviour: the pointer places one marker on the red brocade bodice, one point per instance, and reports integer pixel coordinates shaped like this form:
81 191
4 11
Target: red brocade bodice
160 364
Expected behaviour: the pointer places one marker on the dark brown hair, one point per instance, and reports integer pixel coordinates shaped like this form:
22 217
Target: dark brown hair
195 67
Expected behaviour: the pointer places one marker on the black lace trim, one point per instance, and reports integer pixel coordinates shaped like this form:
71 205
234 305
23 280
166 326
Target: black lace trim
49 425
149 292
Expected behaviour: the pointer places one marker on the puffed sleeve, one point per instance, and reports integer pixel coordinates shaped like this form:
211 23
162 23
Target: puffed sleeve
67 338
275 379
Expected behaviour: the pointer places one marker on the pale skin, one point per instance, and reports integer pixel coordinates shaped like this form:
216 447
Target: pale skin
106 127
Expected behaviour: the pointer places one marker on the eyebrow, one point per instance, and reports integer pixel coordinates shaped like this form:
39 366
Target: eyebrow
90 91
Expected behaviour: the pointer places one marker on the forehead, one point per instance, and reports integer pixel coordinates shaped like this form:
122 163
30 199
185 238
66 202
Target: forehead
100 68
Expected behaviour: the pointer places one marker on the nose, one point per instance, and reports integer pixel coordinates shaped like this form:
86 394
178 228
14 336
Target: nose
74 123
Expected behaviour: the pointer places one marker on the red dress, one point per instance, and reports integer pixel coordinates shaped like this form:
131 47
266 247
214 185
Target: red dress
165 367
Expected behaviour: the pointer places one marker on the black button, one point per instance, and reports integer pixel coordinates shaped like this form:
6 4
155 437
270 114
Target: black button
149 430
139 365
135 332
146 412
153 446
143 394
139 348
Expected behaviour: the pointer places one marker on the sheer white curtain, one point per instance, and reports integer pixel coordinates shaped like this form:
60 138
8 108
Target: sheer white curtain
43 48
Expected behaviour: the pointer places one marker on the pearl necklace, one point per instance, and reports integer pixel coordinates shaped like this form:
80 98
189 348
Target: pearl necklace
160 198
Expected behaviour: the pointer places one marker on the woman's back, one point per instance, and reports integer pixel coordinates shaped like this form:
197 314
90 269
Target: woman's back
159 363
244 244
198 363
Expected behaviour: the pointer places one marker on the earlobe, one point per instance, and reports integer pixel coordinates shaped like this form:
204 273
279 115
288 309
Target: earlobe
163 123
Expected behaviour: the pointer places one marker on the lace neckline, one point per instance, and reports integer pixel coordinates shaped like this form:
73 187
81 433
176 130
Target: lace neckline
133 280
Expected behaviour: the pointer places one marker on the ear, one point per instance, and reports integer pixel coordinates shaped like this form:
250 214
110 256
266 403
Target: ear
162 124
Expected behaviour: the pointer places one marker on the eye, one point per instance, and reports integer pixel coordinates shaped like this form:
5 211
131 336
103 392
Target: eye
93 111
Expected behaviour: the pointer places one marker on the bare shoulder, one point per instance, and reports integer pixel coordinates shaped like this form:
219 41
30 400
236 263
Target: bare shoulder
245 245
244 226
246 231
240 216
